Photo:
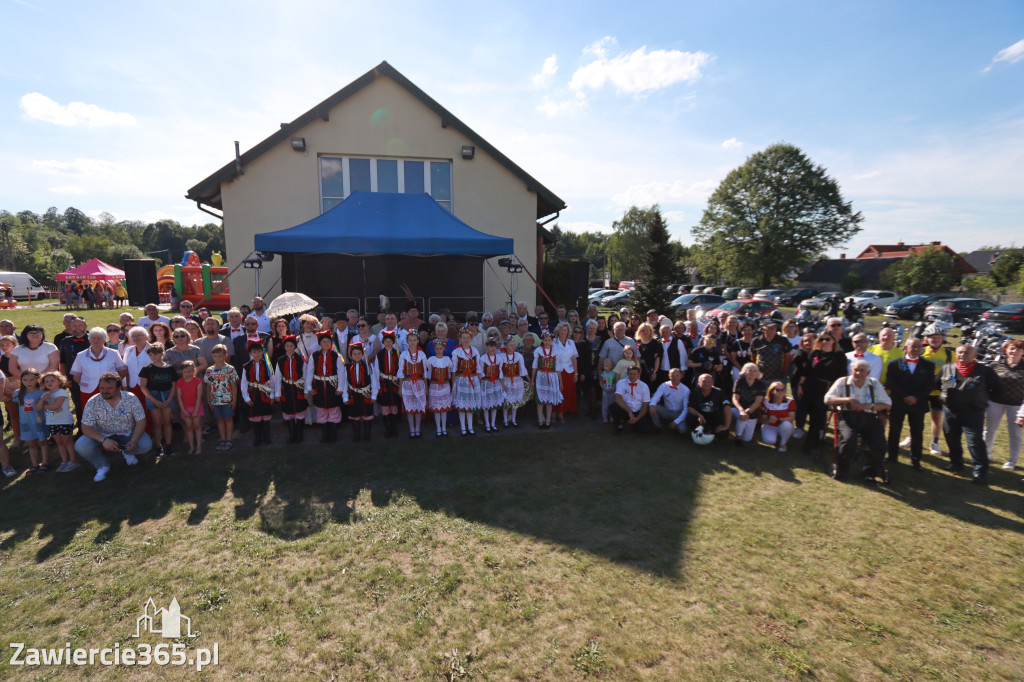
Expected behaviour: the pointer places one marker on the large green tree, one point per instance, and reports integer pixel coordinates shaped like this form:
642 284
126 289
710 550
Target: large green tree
1007 266
925 271
628 244
659 263
771 214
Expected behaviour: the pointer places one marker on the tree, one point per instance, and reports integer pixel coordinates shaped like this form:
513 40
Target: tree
120 252
927 270
658 270
771 214
1007 265
626 247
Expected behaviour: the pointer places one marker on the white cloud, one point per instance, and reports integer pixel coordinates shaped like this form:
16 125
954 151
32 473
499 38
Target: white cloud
599 48
547 72
732 143
866 176
639 71
68 189
1011 55
40 107
674 217
552 108
680 191
584 226
80 167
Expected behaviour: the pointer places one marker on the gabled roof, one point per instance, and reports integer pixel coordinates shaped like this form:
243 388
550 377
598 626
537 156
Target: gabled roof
983 260
834 269
208 190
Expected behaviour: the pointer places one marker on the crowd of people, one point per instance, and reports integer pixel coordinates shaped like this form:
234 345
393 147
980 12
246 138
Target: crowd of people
123 386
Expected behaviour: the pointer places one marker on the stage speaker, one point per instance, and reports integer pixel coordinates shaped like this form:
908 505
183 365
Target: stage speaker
140 280
579 280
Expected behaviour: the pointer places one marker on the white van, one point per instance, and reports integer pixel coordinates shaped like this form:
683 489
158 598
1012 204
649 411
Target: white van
24 285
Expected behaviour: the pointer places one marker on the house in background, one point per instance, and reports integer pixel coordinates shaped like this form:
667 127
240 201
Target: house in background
983 260
381 135
829 273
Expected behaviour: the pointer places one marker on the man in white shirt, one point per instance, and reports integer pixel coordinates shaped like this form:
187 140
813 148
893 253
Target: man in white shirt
860 351
632 404
391 325
152 315
670 402
259 311
860 400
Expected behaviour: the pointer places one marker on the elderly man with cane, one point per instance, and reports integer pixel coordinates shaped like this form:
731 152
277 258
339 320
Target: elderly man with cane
859 399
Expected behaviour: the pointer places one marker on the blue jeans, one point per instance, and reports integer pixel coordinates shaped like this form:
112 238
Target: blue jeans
92 452
969 425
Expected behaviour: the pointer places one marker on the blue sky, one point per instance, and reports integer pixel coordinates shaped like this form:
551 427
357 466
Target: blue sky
916 108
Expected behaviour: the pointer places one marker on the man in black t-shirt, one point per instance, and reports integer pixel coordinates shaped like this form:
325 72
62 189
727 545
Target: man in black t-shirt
709 407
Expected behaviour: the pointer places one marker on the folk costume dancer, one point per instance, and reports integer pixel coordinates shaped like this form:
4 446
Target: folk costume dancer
439 397
546 382
466 384
258 391
360 391
290 375
513 382
411 372
491 393
389 399
325 380
309 343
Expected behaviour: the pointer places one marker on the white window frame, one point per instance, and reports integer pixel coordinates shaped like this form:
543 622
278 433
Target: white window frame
346 175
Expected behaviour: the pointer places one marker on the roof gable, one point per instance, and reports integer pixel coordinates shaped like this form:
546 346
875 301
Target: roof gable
207 191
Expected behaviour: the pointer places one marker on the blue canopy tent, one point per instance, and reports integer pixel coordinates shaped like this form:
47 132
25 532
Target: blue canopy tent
375 243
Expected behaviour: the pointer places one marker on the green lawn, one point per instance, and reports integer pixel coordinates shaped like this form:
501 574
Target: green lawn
533 556
568 555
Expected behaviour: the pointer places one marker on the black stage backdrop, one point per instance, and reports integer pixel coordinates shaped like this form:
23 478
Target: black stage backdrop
339 282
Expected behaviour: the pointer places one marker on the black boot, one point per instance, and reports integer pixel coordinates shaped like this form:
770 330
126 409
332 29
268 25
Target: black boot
266 433
357 431
257 436
367 425
325 431
299 427
332 432
391 426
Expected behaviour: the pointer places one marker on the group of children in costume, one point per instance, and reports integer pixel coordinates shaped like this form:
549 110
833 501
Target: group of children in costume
411 381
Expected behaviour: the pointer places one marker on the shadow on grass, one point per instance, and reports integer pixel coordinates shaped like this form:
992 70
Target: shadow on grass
628 500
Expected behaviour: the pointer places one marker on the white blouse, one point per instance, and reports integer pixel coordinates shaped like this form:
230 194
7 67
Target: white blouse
564 353
135 360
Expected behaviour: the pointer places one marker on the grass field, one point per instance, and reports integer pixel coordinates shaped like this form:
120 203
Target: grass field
570 554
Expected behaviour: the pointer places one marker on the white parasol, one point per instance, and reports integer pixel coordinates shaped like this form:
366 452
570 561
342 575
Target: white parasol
290 303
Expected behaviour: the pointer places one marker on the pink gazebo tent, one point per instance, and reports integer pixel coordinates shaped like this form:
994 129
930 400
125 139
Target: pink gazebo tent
92 271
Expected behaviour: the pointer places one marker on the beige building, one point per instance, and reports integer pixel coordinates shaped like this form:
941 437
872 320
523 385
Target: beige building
380 134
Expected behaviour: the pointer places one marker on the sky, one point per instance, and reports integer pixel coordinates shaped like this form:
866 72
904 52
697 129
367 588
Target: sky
915 108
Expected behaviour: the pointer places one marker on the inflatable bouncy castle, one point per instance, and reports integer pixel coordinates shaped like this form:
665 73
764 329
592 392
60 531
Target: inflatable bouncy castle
201 283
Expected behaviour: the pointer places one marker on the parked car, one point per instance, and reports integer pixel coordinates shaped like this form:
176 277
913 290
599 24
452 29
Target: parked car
768 294
746 293
877 297
596 296
791 297
716 290
628 284
958 309
912 307
684 289
731 293
617 299
746 308
819 302
705 301
1009 315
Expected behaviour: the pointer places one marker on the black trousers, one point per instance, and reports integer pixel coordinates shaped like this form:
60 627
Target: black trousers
915 418
868 427
969 424
621 416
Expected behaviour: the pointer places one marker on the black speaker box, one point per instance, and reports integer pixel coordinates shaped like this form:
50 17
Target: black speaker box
579 280
140 280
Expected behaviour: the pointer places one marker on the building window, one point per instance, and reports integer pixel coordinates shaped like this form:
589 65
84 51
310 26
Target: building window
342 175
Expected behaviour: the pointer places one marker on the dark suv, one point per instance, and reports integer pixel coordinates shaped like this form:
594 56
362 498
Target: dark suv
958 308
791 297
912 307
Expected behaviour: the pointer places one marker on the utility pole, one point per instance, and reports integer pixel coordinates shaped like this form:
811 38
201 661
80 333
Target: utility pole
5 246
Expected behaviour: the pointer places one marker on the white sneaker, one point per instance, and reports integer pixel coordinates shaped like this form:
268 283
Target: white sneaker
799 433
935 449
782 448
62 468
130 460
9 472
71 466
101 474
905 443
1009 466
